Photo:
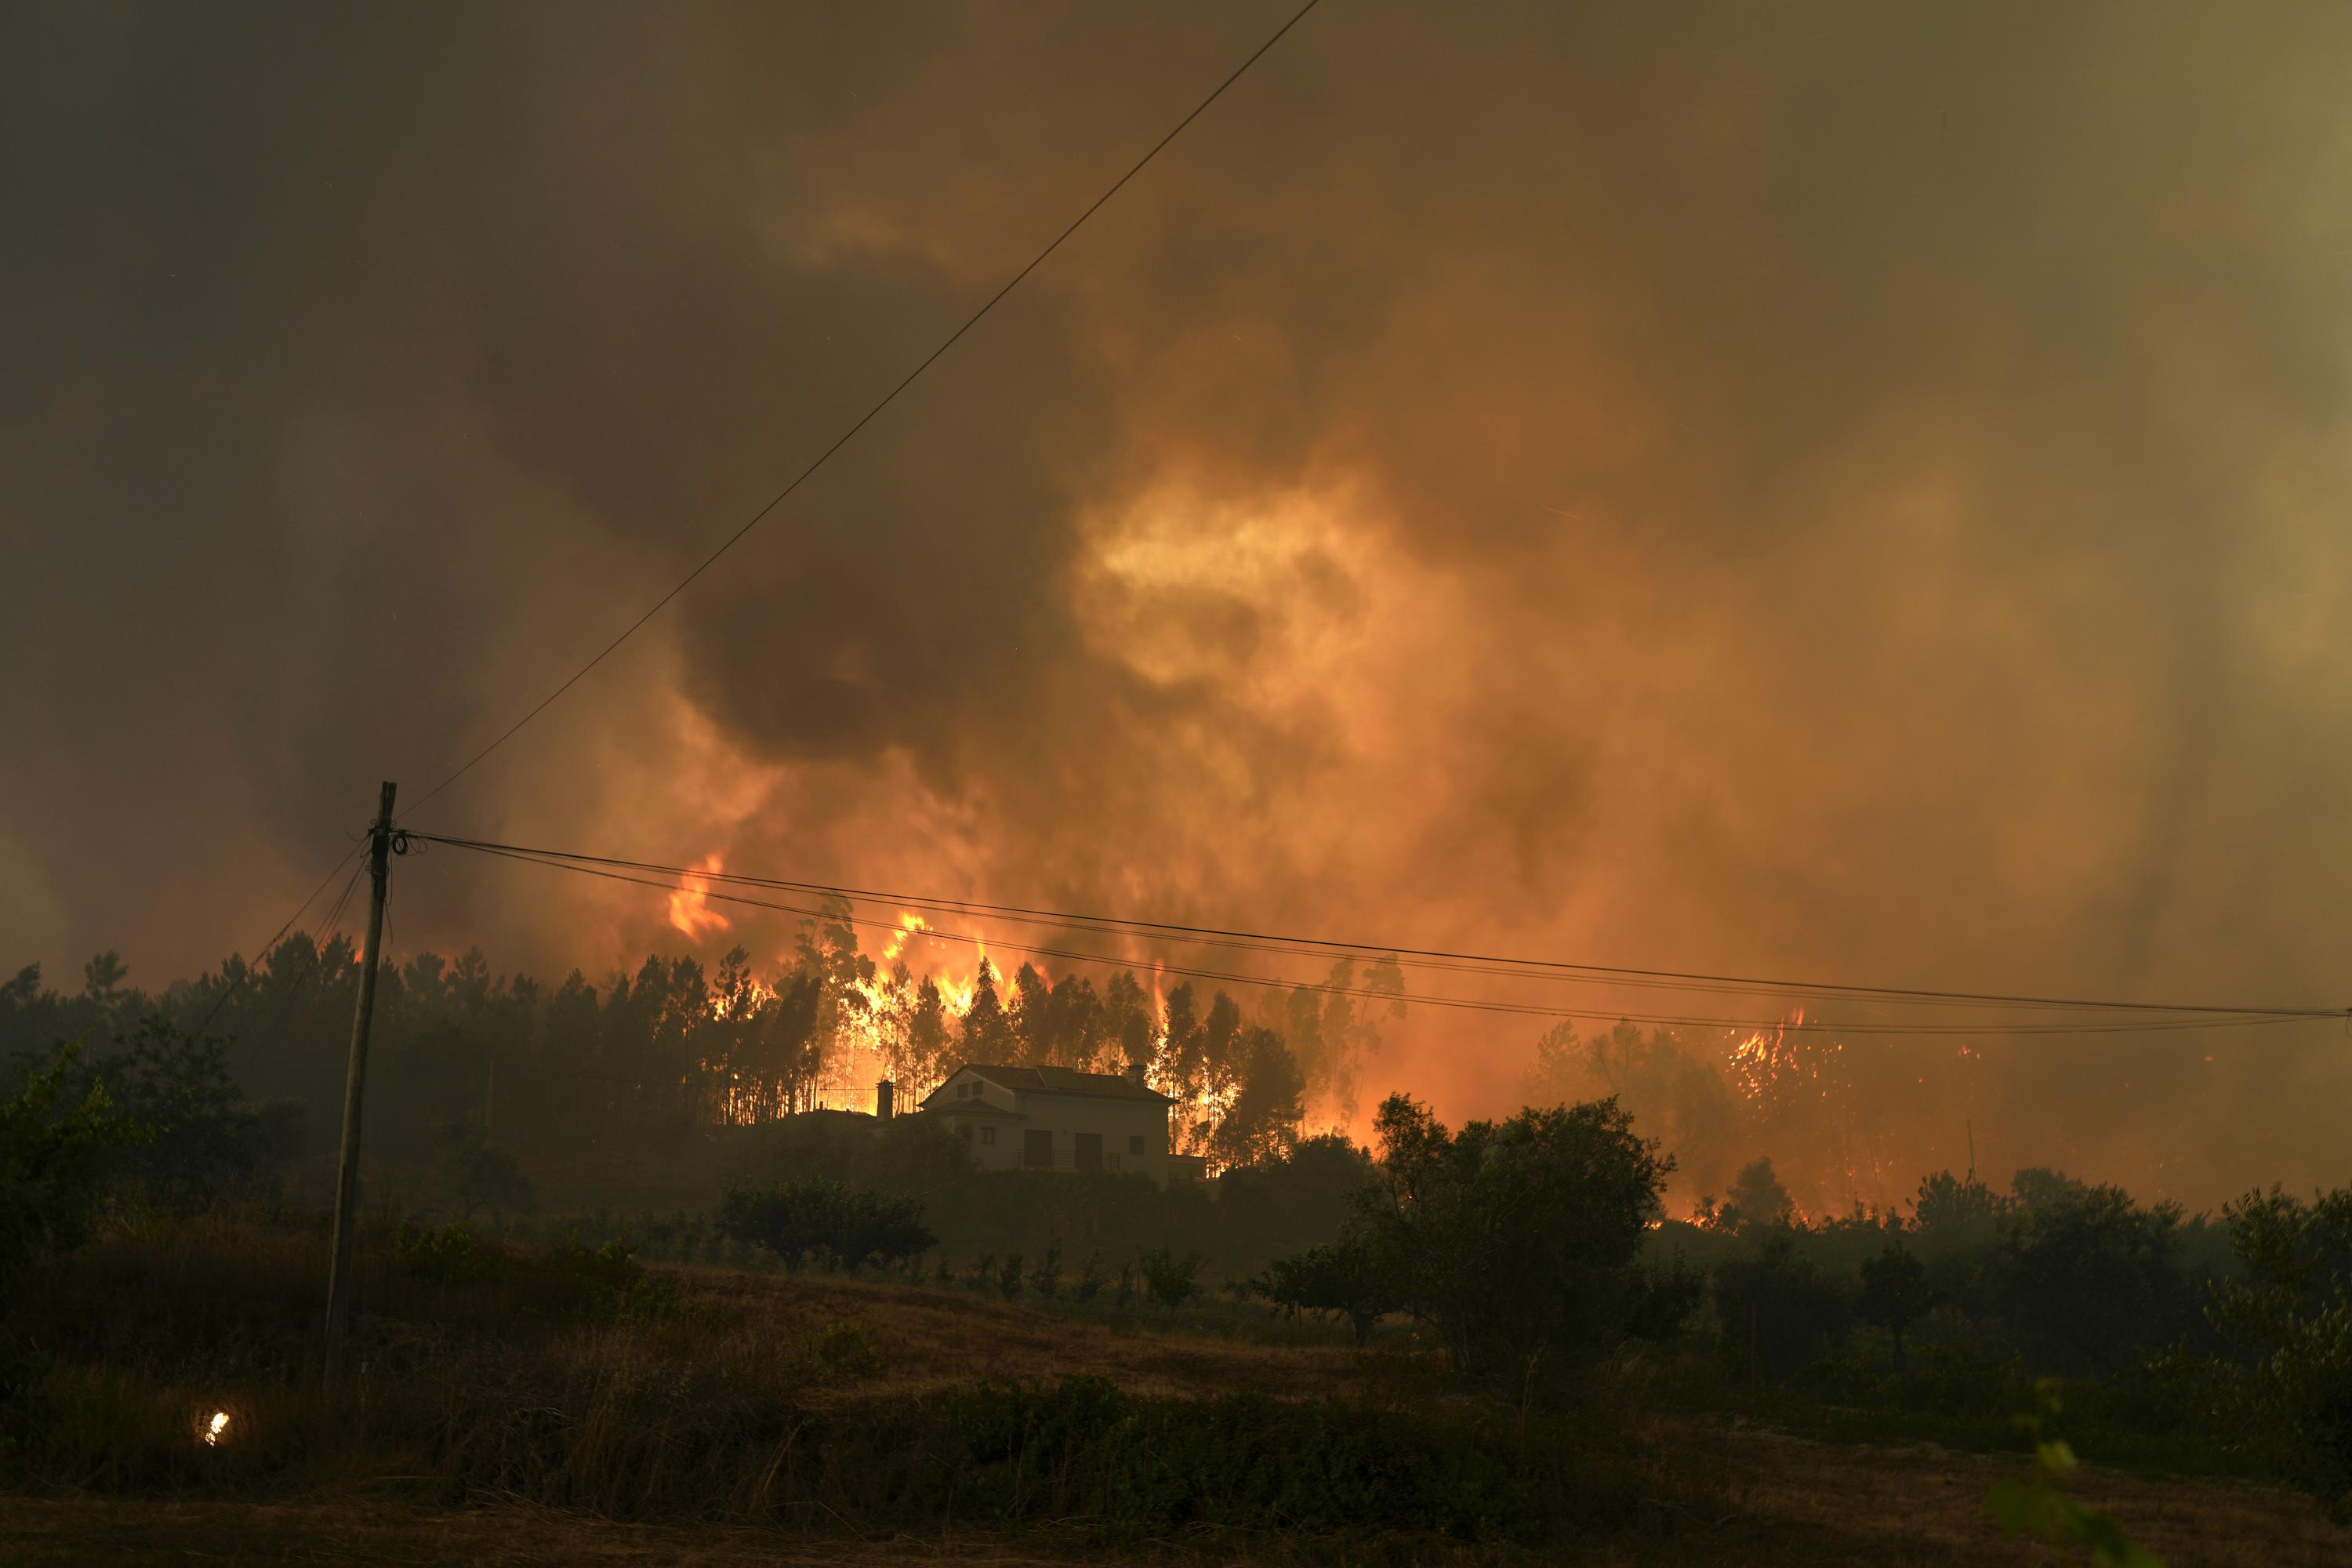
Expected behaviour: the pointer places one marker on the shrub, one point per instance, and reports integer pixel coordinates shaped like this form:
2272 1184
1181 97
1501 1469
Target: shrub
1777 1310
1348 1278
53 1167
847 1228
2289 1323
849 1347
1171 1276
604 1283
446 1256
1152 1467
482 1171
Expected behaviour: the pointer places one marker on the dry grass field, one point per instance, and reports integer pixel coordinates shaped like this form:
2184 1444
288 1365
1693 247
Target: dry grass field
783 1419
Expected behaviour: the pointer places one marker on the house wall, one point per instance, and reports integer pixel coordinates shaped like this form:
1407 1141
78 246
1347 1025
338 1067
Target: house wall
1134 1132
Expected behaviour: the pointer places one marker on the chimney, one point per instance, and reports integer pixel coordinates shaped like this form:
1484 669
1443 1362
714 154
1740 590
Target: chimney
1135 1074
885 1093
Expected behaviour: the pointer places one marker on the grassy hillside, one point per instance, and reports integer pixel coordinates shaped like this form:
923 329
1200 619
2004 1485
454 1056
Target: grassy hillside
540 1405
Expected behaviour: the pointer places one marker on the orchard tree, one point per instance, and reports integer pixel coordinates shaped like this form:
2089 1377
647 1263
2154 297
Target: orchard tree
1517 1240
1894 1293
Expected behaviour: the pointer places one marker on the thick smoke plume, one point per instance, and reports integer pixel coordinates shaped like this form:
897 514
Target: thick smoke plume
1825 490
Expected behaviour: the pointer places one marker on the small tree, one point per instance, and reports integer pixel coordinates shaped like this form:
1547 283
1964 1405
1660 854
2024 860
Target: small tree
2288 1320
1091 1278
1348 1278
482 1171
1756 1197
1046 1278
53 1168
1894 1293
1516 1239
1776 1308
1173 1278
1008 1277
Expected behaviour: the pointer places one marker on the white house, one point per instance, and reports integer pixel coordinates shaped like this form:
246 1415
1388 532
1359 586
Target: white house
1057 1119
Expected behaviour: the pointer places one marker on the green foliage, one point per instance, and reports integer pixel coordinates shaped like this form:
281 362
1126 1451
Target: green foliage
601 1283
55 1161
445 1255
1350 1277
2036 1505
2288 1322
1894 1292
1755 1197
1516 1239
483 1171
2086 1277
1171 1276
1952 1209
1046 1278
847 1228
850 1348
1777 1308
1091 1278
206 1137
1151 1469
1008 1276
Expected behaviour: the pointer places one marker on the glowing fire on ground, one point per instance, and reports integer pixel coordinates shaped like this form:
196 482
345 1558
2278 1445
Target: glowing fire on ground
689 907
215 1428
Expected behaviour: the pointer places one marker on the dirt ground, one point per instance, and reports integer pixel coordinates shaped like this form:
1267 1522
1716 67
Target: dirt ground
1781 1501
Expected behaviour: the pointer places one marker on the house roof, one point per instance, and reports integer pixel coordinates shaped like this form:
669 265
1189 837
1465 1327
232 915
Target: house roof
1058 1080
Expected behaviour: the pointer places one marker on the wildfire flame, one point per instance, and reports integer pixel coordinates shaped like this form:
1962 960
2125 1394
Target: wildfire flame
689 907
907 926
1765 1056
215 1428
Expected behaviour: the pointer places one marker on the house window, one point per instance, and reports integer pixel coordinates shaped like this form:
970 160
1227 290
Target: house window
1038 1150
1087 1153
962 1089
988 1134
1135 1143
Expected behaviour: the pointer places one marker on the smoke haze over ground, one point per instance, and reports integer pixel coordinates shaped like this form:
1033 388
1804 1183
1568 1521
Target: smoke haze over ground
1819 489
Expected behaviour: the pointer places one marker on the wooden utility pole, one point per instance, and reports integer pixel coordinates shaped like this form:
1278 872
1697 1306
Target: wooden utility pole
347 1176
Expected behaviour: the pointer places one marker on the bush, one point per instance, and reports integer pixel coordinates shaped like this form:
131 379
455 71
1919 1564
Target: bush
1348 1279
604 1283
2289 1323
53 1167
446 1256
1777 1310
847 1228
1152 1467
849 1347
1171 1276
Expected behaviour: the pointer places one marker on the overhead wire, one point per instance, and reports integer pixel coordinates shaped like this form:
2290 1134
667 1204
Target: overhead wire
866 419
1542 1010
231 987
1432 959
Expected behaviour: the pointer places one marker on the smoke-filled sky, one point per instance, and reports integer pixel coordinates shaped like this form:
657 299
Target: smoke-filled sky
1843 491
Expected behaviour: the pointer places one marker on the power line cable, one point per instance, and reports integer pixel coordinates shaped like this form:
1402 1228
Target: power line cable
230 988
1462 961
1459 1003
871 414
